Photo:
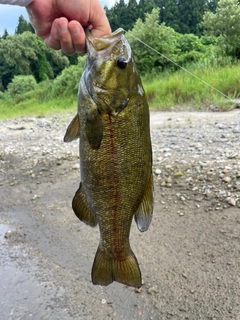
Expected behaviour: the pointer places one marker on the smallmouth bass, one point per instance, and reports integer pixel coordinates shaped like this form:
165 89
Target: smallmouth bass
115 156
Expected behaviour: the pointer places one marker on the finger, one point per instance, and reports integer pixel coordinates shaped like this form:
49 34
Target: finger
52 40
78 36
65 36
99 21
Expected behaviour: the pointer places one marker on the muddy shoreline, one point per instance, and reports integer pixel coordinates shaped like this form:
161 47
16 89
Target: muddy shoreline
189 257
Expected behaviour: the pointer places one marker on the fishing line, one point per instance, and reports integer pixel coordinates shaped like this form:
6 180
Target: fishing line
192 74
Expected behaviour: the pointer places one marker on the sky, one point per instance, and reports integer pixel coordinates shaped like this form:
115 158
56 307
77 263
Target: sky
9 15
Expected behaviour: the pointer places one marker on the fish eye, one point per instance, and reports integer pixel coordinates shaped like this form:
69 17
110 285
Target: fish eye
121 63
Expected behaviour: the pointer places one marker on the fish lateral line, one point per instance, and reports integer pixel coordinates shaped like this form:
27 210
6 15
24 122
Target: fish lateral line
116 193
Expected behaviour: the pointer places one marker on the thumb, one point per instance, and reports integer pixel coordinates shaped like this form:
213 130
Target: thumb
101 31
99 21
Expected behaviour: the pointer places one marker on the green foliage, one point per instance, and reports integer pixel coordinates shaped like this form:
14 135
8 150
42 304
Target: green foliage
183 16
163 39
23 26
181 89
164 91
225 25
125 15
182 49
67 82
21 84
5 34
26 54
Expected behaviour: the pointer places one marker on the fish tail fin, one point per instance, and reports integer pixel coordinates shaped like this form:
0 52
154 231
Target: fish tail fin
105 269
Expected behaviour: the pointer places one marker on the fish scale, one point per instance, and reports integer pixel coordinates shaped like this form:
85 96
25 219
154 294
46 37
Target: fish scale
115 156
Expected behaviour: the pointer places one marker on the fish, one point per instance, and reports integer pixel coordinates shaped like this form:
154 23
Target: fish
115 150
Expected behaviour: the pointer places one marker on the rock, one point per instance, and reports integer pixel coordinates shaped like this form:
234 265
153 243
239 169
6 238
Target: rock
236 129
76 166
158 172
221 126
180 213
232 155
16 128
178 174
168 180
227 179
231 201
152 290
8 234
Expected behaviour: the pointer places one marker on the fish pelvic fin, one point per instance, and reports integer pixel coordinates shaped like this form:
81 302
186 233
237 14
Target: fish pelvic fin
143 215
73 130
81 208
105 269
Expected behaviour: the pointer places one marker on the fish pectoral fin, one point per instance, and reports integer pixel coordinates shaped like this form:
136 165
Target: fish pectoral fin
73 130
105 269
94 129
81 208
143 215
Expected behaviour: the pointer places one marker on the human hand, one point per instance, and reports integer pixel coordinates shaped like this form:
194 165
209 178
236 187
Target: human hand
61 23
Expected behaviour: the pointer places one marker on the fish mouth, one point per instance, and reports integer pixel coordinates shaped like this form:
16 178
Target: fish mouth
104 47
104 42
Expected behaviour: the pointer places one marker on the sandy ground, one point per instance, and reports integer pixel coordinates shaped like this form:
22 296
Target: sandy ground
189 257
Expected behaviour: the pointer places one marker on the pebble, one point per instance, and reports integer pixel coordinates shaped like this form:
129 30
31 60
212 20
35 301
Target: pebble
178 174
152 290
158 171
8 234
231 201
226 179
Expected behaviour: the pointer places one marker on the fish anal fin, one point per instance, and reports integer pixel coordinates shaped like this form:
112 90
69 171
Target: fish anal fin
105 269
81 208
73 130
143 215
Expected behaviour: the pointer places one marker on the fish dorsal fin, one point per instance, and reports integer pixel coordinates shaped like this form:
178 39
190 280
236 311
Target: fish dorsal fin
81 208
73 130
143 215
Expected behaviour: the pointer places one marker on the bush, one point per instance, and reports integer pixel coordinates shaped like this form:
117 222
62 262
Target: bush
21 84
67 82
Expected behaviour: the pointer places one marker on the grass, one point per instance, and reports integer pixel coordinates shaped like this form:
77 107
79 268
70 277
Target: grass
180 88
164 91
32 107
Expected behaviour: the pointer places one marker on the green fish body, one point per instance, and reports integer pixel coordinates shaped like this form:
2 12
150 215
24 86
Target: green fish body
115 156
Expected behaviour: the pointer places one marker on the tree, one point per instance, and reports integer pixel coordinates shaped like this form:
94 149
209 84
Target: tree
21 84
212 5
5 34
123 15
145 6
131 14
163 39
26 54
23 26
170 14
225 25
183 15
117 15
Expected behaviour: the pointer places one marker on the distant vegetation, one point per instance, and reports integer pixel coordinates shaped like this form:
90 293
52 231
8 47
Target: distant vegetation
202 37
